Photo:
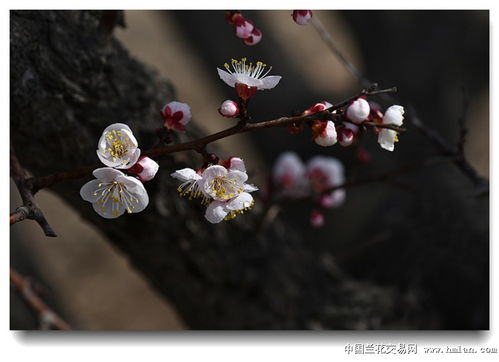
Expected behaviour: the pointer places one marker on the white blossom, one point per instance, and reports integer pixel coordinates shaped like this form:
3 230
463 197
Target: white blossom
224 190
358 111
289 174
248 74
388 137
328 136
113 193
324 173
118 147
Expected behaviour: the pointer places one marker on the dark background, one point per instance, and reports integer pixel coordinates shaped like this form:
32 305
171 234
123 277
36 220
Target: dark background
423 235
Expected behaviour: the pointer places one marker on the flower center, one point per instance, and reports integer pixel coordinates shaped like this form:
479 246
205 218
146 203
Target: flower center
118 195
319 181
225 188
239 67
118 145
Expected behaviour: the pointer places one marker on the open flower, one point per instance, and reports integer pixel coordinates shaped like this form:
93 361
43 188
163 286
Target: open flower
248 78
118 147
176 115
191 183
325 173
113 193
387 137
289 175
222 187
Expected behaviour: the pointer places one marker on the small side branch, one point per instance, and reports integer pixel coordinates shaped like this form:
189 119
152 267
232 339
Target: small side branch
30 209
47 318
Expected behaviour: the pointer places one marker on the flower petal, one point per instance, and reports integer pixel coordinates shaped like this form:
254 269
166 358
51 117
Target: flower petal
214 171
238 176
134 156
237 163
186 174
111 210
117 127
130 135
242 201
270 81
87 191
216 212
107 174
250 188
137 189
228 78
386 139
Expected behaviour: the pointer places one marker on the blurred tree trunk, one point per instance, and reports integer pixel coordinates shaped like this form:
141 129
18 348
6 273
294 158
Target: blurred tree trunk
69 80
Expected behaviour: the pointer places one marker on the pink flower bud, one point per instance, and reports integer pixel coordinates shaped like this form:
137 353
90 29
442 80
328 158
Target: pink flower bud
316 219
145 168
242 27
229 109
302 17
176 115
328 136
358 111
345 137
254 38
319 107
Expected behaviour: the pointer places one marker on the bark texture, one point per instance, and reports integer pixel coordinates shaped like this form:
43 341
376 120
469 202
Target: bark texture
69 80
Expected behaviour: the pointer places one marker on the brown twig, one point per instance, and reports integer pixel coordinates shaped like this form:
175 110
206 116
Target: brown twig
199 145
30 209
47 318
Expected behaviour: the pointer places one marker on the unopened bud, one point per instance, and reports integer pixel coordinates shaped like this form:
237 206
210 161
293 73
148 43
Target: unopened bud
145 168
345 137
254 38
327 137
358 111
302 17
242 27
229 109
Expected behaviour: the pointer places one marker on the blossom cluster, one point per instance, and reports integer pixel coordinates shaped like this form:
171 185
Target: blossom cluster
113 193
243 28
221 187
318 179
345 126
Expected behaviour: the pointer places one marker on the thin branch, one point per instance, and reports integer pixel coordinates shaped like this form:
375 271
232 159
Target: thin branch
328 40
47 318
200 144
30 209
